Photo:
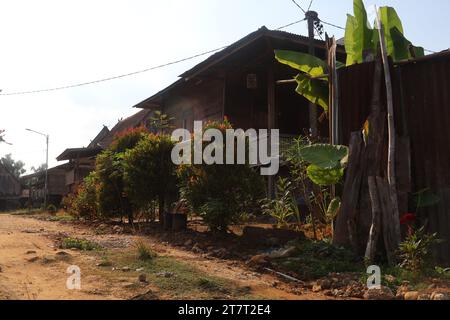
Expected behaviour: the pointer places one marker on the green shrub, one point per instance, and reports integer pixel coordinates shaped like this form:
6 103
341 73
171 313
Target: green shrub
144 253
220 193
415 251
81 244
82 203
149 173
111 196
284 206
51 208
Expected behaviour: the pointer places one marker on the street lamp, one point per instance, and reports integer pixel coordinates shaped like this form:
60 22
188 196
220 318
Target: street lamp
46 164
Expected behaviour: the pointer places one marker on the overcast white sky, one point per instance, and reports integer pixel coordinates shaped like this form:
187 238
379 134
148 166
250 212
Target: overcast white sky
50 43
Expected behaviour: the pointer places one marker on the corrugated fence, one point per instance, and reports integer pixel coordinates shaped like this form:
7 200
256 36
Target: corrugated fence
422 111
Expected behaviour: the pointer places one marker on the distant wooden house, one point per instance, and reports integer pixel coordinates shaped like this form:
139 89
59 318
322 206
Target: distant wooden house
81 161
10 189
33 187
240 82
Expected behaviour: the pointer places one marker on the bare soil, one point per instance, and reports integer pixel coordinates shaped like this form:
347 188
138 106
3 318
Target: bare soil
32 266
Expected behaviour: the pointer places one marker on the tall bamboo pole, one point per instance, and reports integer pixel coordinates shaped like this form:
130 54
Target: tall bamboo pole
391 170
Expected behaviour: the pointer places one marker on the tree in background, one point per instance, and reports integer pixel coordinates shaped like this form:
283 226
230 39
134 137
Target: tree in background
14 167
2 136
41 168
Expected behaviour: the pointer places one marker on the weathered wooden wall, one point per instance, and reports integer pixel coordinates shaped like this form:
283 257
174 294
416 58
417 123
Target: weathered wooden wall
9 186
422 112
198 100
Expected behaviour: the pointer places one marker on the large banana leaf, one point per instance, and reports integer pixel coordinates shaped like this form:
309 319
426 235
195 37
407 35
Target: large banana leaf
359 37
351 48
398 47
325 177
314 90
325 156
301 61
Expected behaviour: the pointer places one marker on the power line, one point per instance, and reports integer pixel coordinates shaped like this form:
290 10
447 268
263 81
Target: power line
332 25
111 78
290 24
310 4
299 6
127 74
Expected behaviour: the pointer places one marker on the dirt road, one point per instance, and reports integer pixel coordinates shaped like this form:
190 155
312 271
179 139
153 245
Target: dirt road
33 267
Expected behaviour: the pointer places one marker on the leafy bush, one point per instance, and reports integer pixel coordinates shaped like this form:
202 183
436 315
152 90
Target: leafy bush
284 206
82 203
111 195
220 193
303 158
149 173
415 251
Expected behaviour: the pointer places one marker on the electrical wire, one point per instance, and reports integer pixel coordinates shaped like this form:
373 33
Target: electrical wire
332 25
162 65
112 78
299 6
290 24
127 74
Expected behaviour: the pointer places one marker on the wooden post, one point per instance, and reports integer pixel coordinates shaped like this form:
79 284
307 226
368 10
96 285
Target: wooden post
391 172
334 91
312 16
271 117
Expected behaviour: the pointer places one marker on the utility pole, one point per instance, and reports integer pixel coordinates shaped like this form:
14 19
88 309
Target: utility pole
47 138
312 17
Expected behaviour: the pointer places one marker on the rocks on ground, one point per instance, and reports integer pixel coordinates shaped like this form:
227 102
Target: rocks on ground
384 293
142 278
439 296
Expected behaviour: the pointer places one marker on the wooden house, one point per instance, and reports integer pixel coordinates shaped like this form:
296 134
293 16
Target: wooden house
81 161
33 185
10 189
240 82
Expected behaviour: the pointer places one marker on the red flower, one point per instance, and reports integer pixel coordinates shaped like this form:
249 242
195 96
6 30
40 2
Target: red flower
407 218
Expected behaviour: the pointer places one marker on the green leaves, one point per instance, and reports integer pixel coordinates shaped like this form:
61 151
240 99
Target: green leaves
325 177
361 41
426 198
301 61
398 47
325 160
314 90
325 156
333 208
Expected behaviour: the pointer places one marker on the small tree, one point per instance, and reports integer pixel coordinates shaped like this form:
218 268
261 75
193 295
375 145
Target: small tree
149 173
83 201
14 167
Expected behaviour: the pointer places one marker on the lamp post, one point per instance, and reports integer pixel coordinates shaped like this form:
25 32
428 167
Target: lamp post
46 164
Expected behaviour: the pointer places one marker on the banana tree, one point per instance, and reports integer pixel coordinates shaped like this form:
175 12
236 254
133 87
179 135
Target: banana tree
361 45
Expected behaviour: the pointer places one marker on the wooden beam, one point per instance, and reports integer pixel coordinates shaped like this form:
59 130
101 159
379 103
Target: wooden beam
271 118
